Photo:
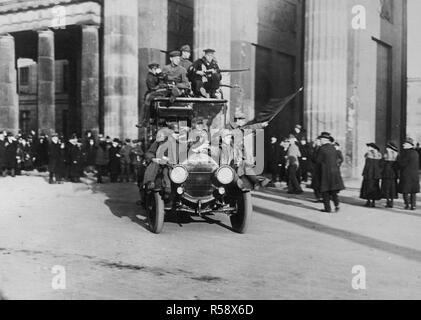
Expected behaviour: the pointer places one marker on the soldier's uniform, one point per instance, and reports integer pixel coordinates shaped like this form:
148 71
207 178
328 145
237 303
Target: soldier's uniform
185 63
243 157
176 74
209 82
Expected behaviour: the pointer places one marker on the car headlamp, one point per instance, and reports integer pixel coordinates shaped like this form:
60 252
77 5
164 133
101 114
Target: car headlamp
225 175
179 174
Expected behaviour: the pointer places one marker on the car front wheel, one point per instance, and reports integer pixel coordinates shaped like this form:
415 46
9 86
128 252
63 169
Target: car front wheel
241 218
156 212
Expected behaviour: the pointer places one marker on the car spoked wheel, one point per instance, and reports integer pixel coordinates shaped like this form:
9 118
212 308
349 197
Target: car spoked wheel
241 218
156 212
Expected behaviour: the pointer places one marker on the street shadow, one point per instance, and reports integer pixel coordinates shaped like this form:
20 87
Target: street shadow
405 252
122 202
308 196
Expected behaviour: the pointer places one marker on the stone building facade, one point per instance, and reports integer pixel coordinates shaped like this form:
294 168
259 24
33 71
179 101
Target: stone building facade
354 80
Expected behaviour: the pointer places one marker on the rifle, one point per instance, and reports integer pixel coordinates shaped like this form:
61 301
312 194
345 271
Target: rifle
234 70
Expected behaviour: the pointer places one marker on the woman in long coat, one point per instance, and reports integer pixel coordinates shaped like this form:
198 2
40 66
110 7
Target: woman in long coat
390 175
370 189
409 184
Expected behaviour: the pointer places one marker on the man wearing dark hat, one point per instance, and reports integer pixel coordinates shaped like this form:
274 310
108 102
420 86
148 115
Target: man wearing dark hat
185 57
409 184
331 182
205 75
11 147
74 159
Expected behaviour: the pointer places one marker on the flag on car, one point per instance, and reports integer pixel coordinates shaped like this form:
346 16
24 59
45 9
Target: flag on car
273 108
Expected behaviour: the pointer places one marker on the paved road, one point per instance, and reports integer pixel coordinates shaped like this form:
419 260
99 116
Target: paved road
291 251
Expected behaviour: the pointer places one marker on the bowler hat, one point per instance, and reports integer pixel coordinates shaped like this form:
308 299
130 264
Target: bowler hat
175 54
325 135
373 145
392 146
186 47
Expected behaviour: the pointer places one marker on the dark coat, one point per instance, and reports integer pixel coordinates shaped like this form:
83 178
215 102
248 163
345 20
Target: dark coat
370 189
89 153
330 174
315 180
2 153
101 154
53 156
389 186
41 153
10 154
408 162
274 157
74 160
114 154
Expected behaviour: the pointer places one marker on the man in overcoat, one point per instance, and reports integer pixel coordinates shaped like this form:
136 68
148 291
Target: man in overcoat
409 184
331 182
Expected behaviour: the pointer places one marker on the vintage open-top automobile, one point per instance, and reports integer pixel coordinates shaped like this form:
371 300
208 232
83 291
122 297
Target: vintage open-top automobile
199 184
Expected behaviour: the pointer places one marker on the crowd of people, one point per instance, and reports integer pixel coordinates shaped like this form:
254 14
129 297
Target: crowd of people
294 160
71 159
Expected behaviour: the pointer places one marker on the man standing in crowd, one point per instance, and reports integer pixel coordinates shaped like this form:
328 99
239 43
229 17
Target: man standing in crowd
409 184
2 152
274 159
10 155
53 158
305 162
331 182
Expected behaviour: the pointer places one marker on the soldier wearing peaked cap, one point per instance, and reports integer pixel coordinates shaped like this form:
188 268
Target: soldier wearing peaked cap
205 75
185 57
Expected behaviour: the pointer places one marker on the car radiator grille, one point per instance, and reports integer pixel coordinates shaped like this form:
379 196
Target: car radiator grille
199 184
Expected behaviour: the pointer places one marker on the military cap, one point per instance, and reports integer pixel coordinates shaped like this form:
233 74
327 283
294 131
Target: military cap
175 54
128 140
116 140
392 146
373 145
298 127
153 65
209 51
185 48
199 120
54 135
9 134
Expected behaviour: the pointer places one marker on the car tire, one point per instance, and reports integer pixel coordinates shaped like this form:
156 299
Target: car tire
241 218
156 213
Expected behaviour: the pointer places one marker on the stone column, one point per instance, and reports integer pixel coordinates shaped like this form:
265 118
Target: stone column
212 29
153 38
244 32
46 83
121 68
9 102
325 68
90 79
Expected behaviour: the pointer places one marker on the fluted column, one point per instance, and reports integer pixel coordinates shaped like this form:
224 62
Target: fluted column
90 78
46 82
325 67
9 102
153 36
212 29
244 32
121 68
